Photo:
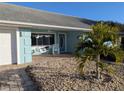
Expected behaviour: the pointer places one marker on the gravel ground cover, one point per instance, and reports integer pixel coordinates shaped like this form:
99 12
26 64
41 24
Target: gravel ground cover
60 74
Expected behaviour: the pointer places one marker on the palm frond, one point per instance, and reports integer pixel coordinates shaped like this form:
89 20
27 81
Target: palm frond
93 45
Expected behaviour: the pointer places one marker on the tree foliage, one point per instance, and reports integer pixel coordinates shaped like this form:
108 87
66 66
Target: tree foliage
102 40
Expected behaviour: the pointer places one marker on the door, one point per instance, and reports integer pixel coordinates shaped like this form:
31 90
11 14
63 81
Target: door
62 42
7 47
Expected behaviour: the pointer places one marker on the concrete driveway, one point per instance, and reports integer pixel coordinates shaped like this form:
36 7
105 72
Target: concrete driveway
14 78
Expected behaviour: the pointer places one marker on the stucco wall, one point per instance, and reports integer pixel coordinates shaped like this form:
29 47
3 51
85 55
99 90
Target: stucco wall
25 46
72 40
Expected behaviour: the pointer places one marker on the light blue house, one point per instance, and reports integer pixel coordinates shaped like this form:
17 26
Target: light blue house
25 32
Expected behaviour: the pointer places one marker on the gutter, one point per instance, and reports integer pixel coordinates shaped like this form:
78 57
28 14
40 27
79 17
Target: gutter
42 25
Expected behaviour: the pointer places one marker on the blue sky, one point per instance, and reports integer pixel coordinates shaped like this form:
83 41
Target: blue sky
95 11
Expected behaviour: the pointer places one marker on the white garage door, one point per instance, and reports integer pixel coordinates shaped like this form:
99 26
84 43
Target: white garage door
7 47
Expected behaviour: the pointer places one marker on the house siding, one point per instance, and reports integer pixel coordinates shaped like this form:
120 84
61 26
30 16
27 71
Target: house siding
72 40
25 46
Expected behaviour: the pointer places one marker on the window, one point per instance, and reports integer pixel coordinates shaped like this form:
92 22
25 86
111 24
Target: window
33 40
42 39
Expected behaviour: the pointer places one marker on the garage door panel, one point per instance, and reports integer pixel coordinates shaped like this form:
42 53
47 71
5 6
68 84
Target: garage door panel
6 47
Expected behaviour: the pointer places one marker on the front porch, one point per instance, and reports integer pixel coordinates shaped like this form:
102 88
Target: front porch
42 42
53 41
48 43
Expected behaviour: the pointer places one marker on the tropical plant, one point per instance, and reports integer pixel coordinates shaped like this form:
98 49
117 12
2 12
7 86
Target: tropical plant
102 40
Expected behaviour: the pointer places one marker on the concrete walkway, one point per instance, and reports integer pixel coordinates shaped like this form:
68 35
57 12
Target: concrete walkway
14 78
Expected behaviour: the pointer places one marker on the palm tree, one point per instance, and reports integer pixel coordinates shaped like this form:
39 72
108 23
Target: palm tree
102 40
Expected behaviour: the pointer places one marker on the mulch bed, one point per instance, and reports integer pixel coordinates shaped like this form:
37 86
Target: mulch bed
60 74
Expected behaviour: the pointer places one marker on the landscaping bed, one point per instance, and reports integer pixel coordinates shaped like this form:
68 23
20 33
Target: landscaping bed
60 74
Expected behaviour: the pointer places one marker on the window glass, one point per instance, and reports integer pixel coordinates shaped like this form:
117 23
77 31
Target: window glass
42 39
45 40
33 40
52 40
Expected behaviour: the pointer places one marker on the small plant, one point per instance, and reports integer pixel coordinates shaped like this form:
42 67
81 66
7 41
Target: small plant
101 41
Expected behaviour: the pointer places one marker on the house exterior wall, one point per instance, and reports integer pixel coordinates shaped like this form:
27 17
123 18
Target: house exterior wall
72 40
25 46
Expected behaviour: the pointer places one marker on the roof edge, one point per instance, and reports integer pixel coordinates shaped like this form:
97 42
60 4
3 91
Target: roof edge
51 12
44 25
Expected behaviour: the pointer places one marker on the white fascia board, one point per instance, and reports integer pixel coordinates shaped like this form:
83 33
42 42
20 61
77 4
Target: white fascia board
42 25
